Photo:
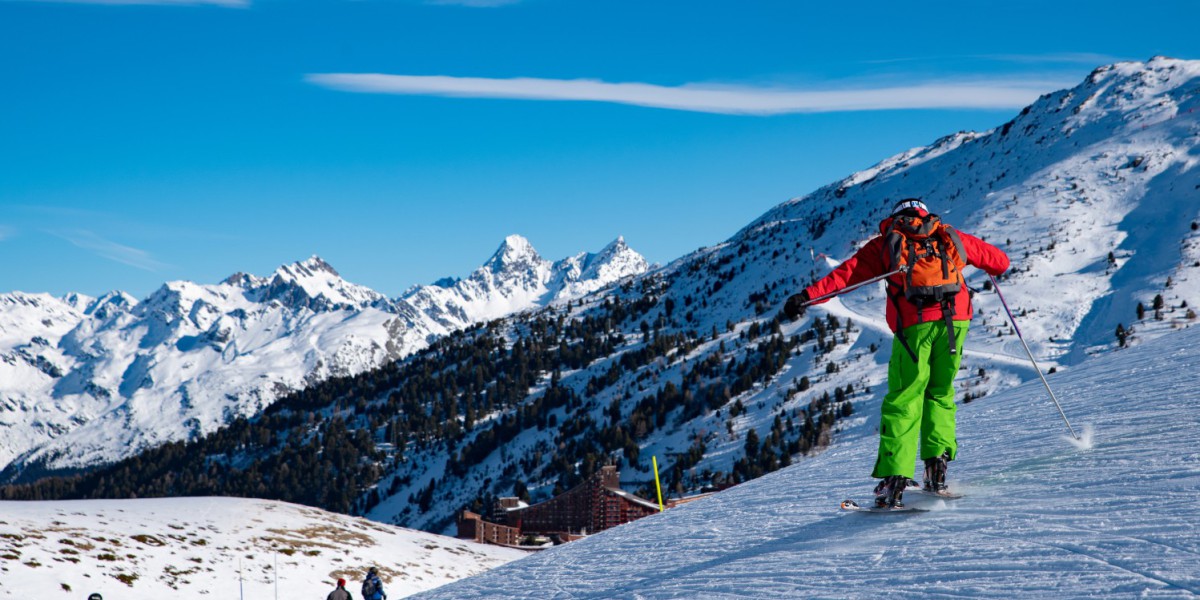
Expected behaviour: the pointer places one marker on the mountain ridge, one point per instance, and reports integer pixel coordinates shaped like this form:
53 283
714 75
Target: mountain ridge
190 357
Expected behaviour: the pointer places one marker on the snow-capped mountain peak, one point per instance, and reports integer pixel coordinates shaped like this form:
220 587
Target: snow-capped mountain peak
109 304
308 268
111 374
514 254
315 284
585 273
517 278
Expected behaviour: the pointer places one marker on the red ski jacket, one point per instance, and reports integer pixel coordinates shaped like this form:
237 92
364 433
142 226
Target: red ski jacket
870 261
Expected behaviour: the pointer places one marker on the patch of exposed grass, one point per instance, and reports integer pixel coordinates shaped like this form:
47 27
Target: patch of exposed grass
84 546
385 573
148 540
126 578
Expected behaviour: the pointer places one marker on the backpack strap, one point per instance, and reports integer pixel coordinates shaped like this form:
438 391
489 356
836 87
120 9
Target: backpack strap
944 255
957 241
948 316
895 298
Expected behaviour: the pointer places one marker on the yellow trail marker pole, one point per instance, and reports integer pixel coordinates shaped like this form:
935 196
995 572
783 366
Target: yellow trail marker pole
657 485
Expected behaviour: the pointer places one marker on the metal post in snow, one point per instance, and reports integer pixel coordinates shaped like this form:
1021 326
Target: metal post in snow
657 485
1031 359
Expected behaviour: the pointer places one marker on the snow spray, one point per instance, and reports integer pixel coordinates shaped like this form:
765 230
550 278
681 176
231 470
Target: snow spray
1084 441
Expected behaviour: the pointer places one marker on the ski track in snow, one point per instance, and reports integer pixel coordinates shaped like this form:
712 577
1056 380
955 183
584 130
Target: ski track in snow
1042 517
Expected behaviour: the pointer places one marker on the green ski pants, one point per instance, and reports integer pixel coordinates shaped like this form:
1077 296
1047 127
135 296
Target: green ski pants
919 405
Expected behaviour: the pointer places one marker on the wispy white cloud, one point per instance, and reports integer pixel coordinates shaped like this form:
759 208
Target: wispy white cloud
127 255
1085 58
476 3
1058 58
225 3
724 99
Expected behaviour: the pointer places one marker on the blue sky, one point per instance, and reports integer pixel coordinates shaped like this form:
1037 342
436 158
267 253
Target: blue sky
402 140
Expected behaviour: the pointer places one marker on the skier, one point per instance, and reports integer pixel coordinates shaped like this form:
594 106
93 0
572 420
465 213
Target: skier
929 311
340 593
95 597
372 588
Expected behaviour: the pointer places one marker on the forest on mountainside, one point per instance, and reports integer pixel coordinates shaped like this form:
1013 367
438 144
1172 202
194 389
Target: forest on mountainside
334 444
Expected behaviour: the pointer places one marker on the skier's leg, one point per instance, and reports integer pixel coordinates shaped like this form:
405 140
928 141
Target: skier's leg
900 419
937 418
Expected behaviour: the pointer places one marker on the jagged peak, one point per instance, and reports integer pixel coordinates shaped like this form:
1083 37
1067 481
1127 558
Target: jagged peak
616 245
514 250
618 250
310 267
115 297
77 300
241 279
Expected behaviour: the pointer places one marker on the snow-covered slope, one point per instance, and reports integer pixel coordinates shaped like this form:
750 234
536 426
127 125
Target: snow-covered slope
517 278
86 381
1109 166
1106 167
216 547
1044 517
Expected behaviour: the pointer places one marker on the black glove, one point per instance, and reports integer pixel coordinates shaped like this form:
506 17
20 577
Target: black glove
795 305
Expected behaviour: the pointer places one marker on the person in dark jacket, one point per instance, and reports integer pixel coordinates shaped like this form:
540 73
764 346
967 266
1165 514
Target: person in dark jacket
372 588
340 593
919 406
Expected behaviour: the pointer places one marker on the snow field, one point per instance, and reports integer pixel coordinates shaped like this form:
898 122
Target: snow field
1043 517
216 547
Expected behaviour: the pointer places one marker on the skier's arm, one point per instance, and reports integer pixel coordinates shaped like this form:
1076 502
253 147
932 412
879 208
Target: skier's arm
983 255
865 264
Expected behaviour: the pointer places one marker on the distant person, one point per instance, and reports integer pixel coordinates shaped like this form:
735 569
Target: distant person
929 310
372 588
340 593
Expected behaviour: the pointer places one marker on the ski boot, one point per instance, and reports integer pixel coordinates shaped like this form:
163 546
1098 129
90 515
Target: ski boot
890 492
935 474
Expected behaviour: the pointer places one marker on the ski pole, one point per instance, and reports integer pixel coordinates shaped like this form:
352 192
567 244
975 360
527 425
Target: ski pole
851 288
1031 359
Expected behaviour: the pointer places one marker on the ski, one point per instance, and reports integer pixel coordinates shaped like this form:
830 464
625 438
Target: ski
852 506
944 495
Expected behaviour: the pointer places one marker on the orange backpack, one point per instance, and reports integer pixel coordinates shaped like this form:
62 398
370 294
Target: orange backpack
931 258
931 255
